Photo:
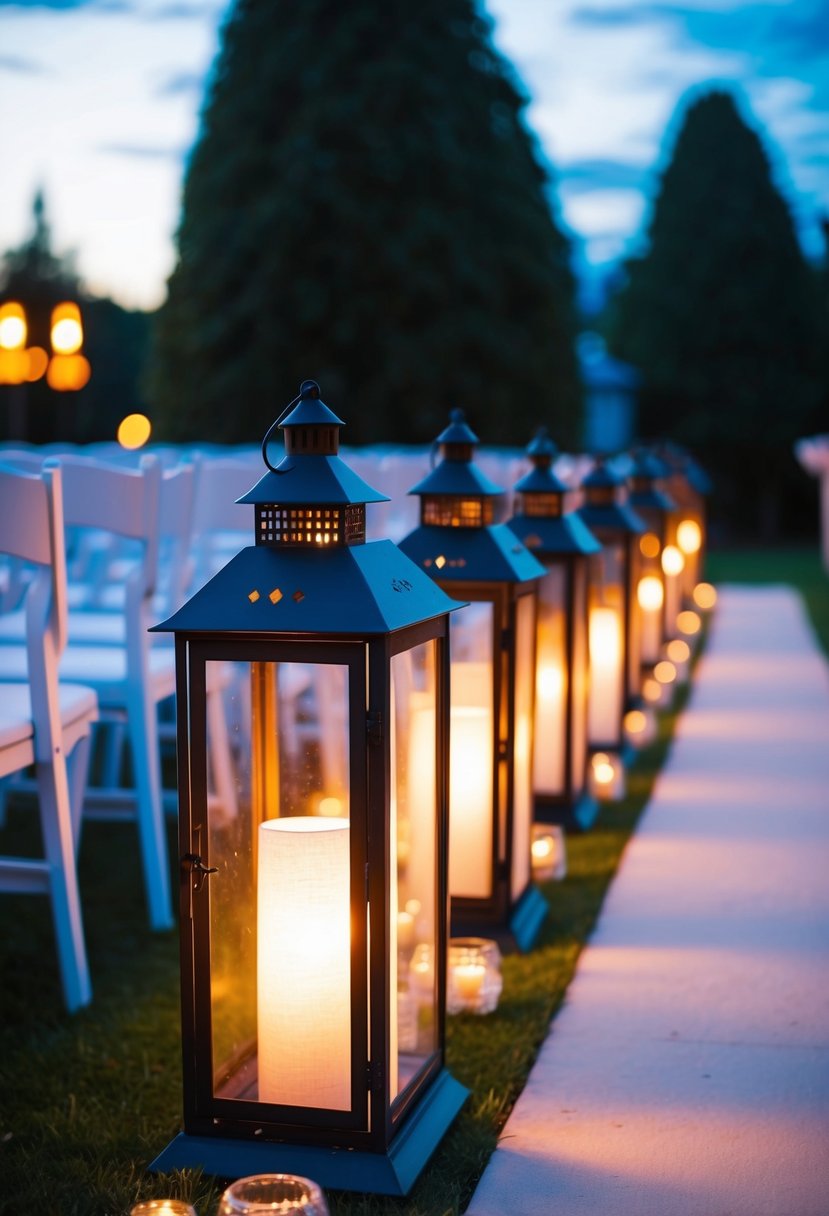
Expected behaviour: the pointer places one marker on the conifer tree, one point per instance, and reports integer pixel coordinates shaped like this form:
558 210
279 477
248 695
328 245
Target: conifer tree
365 206
719 315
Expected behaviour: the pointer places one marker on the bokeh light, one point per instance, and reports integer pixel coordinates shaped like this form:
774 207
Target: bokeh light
672 560
688 622
705 596
649 545
133 432
664 672
689 536
13 329
678 651
66 329
650 593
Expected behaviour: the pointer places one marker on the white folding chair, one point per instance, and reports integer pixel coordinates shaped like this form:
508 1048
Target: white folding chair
130 679
44 722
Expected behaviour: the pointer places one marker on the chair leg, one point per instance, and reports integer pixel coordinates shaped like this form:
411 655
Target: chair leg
144 740
56 823
77 771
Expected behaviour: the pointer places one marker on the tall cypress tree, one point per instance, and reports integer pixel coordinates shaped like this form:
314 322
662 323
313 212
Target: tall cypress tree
365 206
719 314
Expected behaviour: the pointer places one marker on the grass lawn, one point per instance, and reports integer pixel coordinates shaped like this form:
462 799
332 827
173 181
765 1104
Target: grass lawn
87 1101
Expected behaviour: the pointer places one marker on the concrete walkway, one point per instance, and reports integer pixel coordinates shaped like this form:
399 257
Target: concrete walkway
688 1072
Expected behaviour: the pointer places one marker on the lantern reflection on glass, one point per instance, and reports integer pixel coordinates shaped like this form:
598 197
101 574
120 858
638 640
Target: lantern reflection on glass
563 544
300 910
493 654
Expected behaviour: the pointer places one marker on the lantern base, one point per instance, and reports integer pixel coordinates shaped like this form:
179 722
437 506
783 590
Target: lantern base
574 816
528 917
340 1169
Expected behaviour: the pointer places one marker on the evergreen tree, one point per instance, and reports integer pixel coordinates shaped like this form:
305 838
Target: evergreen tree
720 316
364 206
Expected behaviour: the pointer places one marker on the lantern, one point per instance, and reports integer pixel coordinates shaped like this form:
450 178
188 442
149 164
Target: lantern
300 1049
493 681
659 586
563 544
615 620
689 486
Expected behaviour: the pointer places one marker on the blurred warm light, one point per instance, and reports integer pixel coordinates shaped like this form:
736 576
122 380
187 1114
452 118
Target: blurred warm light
603 770
542 848
688 622
689 536
331 808
635 722
68 373
650 593
651 690
38 363
649 545
705 596
13 329
14 366
672 560
134 431
678 651
665 672
66 329
549 682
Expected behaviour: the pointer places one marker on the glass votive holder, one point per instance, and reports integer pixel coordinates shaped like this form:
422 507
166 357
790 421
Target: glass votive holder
277 1194
422 974
548 852
607 777
162 1207
473 982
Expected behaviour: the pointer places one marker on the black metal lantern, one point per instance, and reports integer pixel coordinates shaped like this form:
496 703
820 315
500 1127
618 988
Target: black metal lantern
493 656
564 544
658 589
306 1048
614 578
689 486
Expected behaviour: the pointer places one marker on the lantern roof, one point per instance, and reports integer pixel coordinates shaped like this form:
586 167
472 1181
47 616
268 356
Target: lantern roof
372 588
602 509
491 554
311 570
541 479
311 471
456 474
644 492
555 536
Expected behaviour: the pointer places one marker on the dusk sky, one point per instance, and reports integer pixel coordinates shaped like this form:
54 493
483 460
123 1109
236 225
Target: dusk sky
99 103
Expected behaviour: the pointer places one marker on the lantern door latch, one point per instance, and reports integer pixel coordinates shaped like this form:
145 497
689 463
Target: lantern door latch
193 864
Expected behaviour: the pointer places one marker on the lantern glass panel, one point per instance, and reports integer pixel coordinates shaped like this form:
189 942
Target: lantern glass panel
413 865
606 643
280 906
551 689
522 755
471 751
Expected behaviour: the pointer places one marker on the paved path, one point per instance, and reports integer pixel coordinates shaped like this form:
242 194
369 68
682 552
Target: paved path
688 1071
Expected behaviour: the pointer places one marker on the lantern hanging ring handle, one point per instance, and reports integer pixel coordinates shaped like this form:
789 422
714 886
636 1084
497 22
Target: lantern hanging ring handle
308 388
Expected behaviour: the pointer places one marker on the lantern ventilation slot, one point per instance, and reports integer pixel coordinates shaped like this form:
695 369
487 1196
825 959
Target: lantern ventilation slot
539 505
312 527
450 511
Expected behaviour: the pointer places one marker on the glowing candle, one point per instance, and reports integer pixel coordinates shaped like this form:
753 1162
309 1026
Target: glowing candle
469 980
162 1207
650 595
470 783
606 676
304 962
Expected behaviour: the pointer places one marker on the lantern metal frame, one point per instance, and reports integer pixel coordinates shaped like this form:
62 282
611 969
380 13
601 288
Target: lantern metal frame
616 524
560 539
355 604
657 510
480 562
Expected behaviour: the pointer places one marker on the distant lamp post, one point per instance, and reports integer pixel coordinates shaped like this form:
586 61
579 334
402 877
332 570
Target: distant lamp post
493 683
564 643
615 588
658 590
303 1044
68 369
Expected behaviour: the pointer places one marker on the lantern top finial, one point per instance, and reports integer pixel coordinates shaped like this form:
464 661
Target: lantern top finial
456 474
541 479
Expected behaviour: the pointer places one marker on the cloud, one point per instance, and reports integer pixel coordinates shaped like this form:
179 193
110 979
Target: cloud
181 10
24 67
597 173
142 151
99 6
